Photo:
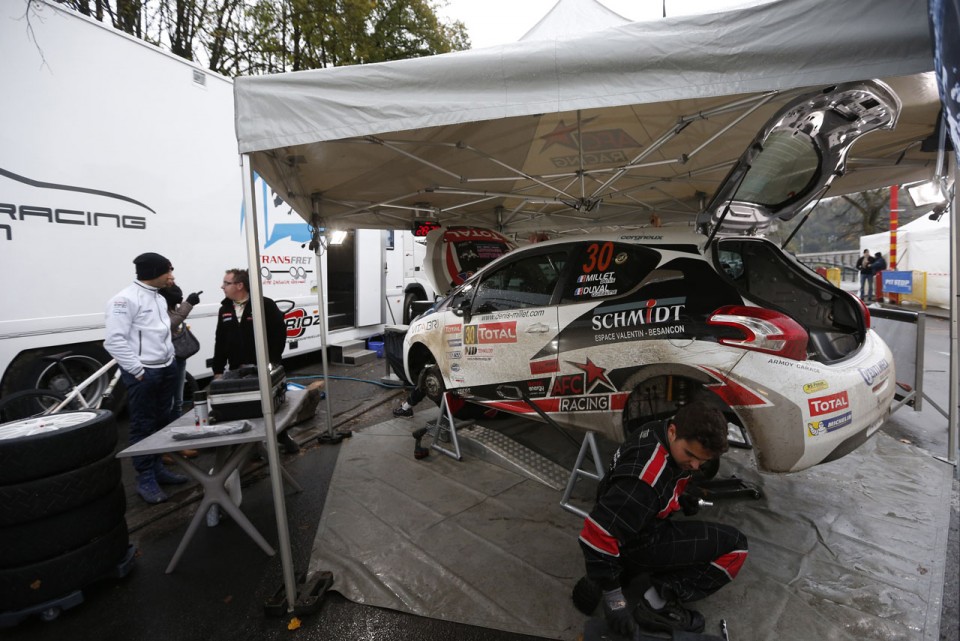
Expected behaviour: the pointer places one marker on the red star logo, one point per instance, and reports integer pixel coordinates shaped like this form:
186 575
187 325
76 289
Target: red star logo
733 393
595 375
562 134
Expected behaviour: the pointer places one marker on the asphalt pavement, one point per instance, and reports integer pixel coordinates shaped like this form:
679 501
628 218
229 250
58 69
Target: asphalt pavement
224 580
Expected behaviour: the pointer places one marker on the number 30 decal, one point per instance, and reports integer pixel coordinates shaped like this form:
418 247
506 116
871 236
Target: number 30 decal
600 256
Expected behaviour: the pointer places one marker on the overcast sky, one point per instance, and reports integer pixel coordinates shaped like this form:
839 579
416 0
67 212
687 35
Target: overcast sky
496 22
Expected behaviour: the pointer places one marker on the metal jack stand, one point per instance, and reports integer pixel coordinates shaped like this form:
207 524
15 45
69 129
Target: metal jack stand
445 424
589 444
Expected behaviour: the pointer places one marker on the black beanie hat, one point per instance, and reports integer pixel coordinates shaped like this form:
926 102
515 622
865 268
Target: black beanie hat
151 265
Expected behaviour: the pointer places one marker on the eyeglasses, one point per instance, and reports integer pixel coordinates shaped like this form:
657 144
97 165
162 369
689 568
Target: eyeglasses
227 283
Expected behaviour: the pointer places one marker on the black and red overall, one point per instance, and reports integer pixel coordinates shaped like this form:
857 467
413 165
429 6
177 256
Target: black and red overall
629 529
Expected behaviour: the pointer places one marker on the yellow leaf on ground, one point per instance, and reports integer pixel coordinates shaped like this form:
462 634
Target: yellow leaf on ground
294 624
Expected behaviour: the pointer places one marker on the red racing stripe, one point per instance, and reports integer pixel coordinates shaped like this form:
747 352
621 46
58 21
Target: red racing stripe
730 563
598 538
655 466
674 503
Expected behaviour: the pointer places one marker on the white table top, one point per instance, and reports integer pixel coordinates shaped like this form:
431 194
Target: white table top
162 440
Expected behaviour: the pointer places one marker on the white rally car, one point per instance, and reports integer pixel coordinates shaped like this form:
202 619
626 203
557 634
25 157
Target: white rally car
604 332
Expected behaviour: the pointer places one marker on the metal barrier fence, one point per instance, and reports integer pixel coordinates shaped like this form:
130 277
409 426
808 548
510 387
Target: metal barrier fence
844 261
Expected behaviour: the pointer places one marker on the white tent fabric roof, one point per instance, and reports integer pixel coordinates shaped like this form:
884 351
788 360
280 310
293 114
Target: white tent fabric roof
583 132
570 18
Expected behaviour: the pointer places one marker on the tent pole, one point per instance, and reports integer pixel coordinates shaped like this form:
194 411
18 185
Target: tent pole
318 247
263 373
954 302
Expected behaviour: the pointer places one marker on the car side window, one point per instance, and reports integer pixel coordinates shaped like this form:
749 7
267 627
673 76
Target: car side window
606 269
527 282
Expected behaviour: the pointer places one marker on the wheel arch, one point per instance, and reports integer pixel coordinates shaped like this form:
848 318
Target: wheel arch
683 384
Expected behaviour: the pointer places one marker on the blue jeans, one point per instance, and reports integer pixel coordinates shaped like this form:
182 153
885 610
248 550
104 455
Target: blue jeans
868 280
177 408
149 401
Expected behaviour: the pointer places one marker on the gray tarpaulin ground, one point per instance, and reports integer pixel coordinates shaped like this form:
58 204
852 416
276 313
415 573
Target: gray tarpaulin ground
850 550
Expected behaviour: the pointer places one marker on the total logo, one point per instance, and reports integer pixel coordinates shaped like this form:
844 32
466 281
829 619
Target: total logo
490 333
828 404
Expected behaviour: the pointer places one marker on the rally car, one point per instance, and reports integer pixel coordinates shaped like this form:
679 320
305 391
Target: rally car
604 332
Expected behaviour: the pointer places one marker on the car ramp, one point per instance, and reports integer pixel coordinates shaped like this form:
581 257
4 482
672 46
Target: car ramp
849 550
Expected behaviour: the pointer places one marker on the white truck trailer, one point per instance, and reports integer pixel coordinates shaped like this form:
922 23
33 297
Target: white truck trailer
111 147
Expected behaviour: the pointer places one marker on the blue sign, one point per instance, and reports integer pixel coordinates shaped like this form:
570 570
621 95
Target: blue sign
898 282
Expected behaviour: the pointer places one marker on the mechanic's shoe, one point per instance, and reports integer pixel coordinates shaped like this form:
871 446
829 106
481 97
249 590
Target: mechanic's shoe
586 595
148 489
213 516
166 477
286 441
403 413
672 616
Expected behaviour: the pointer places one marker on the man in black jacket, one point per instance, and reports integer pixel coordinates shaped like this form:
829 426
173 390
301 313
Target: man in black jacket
865 267
234 345
629 535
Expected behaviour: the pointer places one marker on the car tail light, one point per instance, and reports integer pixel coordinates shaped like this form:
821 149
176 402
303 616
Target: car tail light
865 310
764 330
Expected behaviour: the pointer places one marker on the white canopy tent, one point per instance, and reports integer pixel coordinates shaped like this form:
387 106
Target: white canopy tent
923 245
603 129
566 135
570 18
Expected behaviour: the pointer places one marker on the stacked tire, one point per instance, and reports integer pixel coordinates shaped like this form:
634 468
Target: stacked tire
62 506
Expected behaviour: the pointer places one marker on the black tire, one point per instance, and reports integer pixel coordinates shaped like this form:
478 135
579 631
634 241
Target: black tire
27 404
46 538
408 300
67 441
36 583
52 495
431 382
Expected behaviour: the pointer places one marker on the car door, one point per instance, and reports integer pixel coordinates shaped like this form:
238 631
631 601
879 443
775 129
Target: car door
509 334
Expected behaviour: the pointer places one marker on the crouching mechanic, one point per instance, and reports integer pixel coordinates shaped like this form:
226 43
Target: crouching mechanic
629 536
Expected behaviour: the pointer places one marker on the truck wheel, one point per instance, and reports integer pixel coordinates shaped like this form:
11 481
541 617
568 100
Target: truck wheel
46 580
408 301
85 360
40 498
40 447
58 534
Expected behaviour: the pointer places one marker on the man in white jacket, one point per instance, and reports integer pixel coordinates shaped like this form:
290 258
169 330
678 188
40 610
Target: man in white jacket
138 337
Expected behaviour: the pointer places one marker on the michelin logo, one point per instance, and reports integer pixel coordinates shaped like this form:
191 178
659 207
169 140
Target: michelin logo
829 424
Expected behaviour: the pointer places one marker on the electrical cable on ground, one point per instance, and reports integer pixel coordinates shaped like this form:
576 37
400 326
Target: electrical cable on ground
348 378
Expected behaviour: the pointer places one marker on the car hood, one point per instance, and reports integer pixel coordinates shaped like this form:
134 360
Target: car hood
796 156
453 254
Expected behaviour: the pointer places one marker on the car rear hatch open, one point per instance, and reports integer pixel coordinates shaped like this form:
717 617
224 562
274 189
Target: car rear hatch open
797 155
791 164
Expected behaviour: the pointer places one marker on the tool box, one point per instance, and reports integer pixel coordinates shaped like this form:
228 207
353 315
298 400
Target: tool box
238 396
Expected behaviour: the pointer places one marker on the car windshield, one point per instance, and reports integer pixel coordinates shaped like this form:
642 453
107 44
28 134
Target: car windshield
785 166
